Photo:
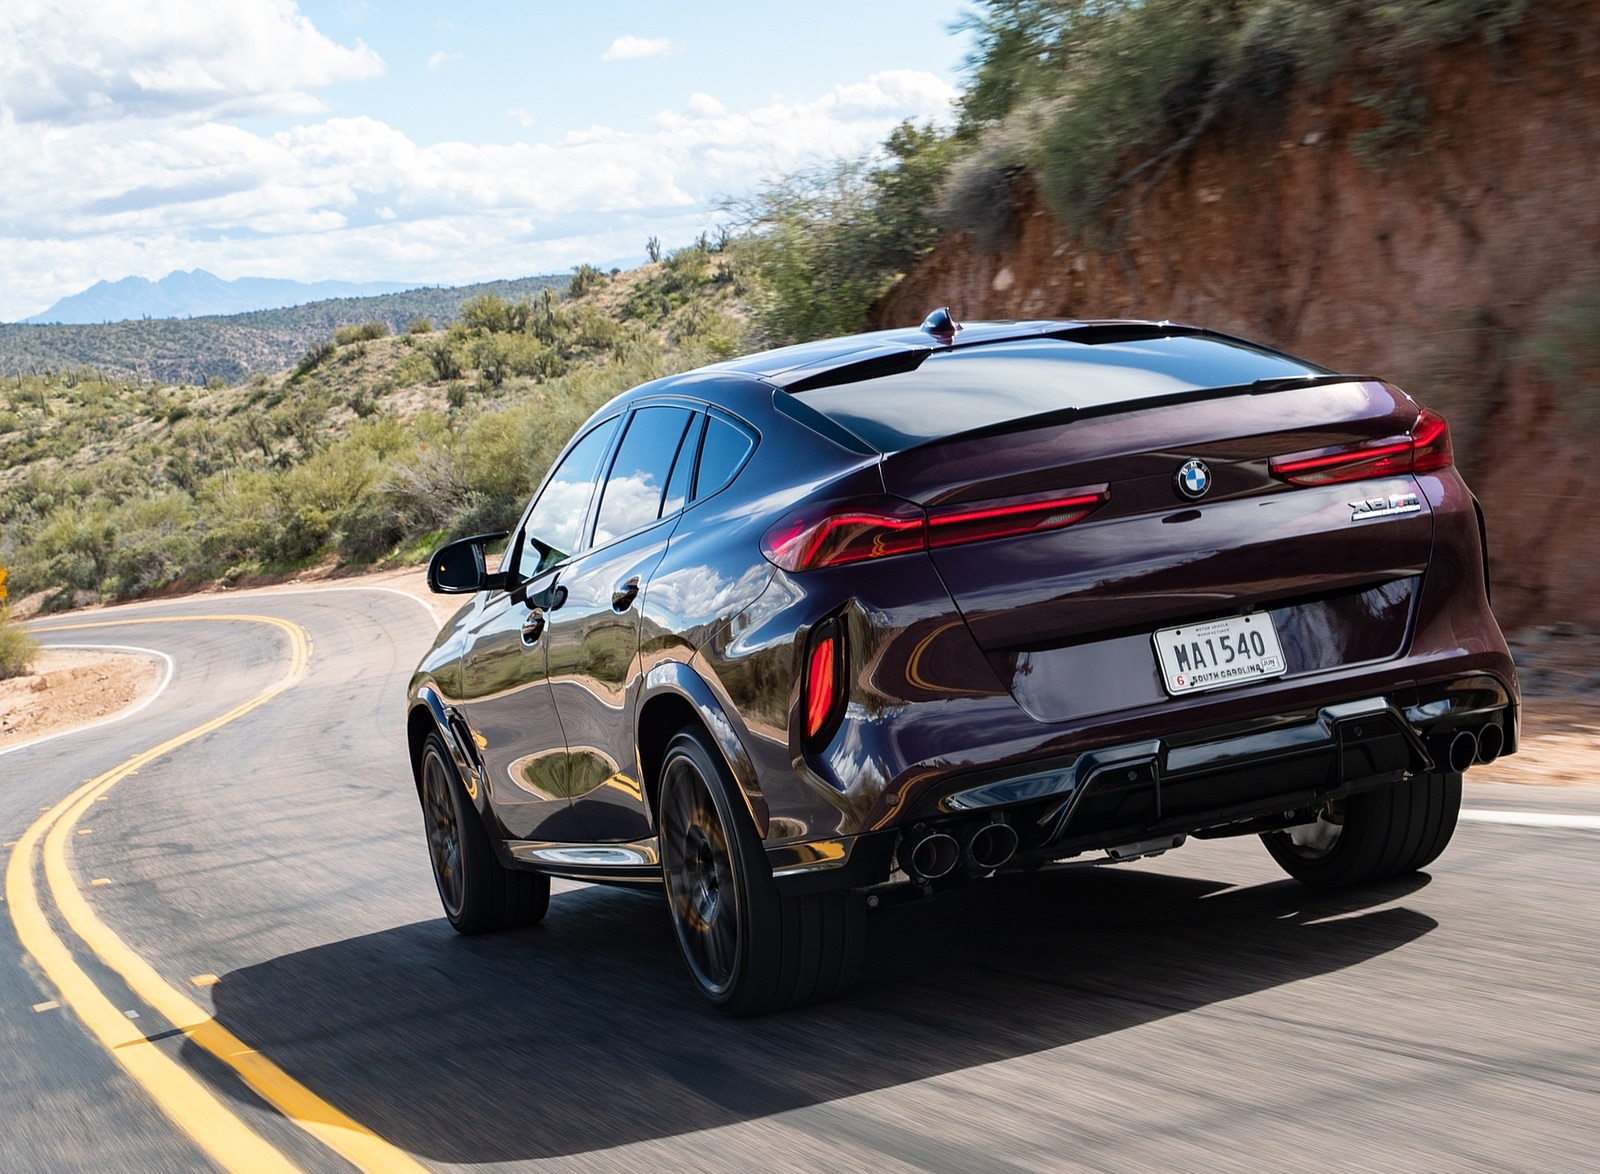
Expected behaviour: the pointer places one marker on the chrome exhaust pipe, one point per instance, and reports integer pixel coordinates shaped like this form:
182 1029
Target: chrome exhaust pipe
928 855
1491 742
990 846
1462 751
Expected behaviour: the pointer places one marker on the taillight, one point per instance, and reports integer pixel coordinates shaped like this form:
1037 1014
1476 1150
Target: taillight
1430 443
822 677
833 535
974 522
1426 448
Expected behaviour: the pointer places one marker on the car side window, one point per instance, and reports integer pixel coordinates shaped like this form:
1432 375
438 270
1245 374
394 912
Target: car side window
555 523
677 495
633 490
721 454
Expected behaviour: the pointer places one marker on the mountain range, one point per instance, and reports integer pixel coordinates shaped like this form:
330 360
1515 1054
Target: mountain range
235 346
195 294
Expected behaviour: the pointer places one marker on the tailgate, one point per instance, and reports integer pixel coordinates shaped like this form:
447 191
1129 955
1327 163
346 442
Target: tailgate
1149 557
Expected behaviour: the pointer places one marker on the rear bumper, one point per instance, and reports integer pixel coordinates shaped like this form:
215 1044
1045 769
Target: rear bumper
1239 778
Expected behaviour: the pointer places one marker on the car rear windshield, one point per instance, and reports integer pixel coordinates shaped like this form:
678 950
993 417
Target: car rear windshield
981 386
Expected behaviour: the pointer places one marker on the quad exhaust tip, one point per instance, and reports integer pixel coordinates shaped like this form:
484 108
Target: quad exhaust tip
990 846
1462 751
1491 743
929 855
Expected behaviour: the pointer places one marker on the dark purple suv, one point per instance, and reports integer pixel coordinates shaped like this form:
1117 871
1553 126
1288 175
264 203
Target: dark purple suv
919 606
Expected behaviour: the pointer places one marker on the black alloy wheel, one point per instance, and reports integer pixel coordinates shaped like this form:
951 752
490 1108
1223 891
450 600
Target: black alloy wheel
479 894
1372 835
748 949
709 912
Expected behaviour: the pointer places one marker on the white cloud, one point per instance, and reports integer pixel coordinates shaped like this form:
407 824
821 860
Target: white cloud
520 116
705 106
357 198
629 48
435 60
166 58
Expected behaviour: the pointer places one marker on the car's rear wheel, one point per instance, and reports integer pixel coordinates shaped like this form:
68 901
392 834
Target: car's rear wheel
1372 835
479 894
748 949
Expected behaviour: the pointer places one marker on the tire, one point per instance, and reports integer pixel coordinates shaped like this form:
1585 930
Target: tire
1378 834
479 894
749 950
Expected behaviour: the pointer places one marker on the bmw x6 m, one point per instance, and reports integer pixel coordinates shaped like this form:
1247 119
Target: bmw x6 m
914 607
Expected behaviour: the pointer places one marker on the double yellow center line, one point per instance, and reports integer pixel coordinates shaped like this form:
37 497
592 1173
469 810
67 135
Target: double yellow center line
188 1101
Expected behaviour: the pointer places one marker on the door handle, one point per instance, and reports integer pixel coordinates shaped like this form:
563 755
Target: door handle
532 626
622 598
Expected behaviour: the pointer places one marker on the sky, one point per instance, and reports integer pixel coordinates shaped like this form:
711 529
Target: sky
366 140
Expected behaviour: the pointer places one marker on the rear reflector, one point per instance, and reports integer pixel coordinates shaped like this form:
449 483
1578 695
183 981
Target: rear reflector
1427 448
831 536
820 684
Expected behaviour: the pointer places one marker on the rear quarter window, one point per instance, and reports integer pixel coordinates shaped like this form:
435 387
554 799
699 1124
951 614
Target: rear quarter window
722 454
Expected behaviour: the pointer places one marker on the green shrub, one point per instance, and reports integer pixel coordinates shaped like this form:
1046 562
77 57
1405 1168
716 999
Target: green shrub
17 648
419 325
317 354
345 335
441 355
827 243
585 280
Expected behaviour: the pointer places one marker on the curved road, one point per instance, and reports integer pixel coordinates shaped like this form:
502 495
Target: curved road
250 971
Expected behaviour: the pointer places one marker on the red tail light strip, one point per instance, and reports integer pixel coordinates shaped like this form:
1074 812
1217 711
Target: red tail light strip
1427 448
853 532
951 525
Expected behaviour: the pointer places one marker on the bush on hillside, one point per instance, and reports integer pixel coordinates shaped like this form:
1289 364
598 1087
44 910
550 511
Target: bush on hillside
829 242
17 648
1125 86
366 331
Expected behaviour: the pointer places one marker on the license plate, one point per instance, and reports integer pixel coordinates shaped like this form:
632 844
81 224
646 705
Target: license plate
1219 653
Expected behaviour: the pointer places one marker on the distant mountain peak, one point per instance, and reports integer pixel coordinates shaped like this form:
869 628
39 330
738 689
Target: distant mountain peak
196 293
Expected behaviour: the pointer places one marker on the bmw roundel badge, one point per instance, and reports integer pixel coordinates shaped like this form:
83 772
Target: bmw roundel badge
1192 479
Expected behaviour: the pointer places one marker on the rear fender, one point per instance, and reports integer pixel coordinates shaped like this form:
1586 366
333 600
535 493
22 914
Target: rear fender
675 679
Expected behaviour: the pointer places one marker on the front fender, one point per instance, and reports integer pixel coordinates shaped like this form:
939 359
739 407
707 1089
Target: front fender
428 713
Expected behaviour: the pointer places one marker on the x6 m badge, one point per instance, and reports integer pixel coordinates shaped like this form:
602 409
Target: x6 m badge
1384 507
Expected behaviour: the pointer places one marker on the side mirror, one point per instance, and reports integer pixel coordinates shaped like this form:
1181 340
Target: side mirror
458 567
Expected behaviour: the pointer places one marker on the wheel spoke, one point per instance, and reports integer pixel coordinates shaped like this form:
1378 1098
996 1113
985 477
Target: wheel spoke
444 831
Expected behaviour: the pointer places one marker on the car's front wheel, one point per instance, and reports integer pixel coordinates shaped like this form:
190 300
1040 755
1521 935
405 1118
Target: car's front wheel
1372 835
479 894
749 949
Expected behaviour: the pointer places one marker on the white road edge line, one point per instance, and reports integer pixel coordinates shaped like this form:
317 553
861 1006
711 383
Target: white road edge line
1532 819
161 688
416 599
114 610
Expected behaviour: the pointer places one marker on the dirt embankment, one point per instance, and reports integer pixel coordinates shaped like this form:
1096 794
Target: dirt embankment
1437 262
72 687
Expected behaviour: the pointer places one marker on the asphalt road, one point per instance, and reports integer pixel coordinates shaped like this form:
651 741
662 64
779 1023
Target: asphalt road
1196 1012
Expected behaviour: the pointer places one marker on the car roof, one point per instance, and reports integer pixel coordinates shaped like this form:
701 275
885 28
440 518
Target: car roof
912 388
807 362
